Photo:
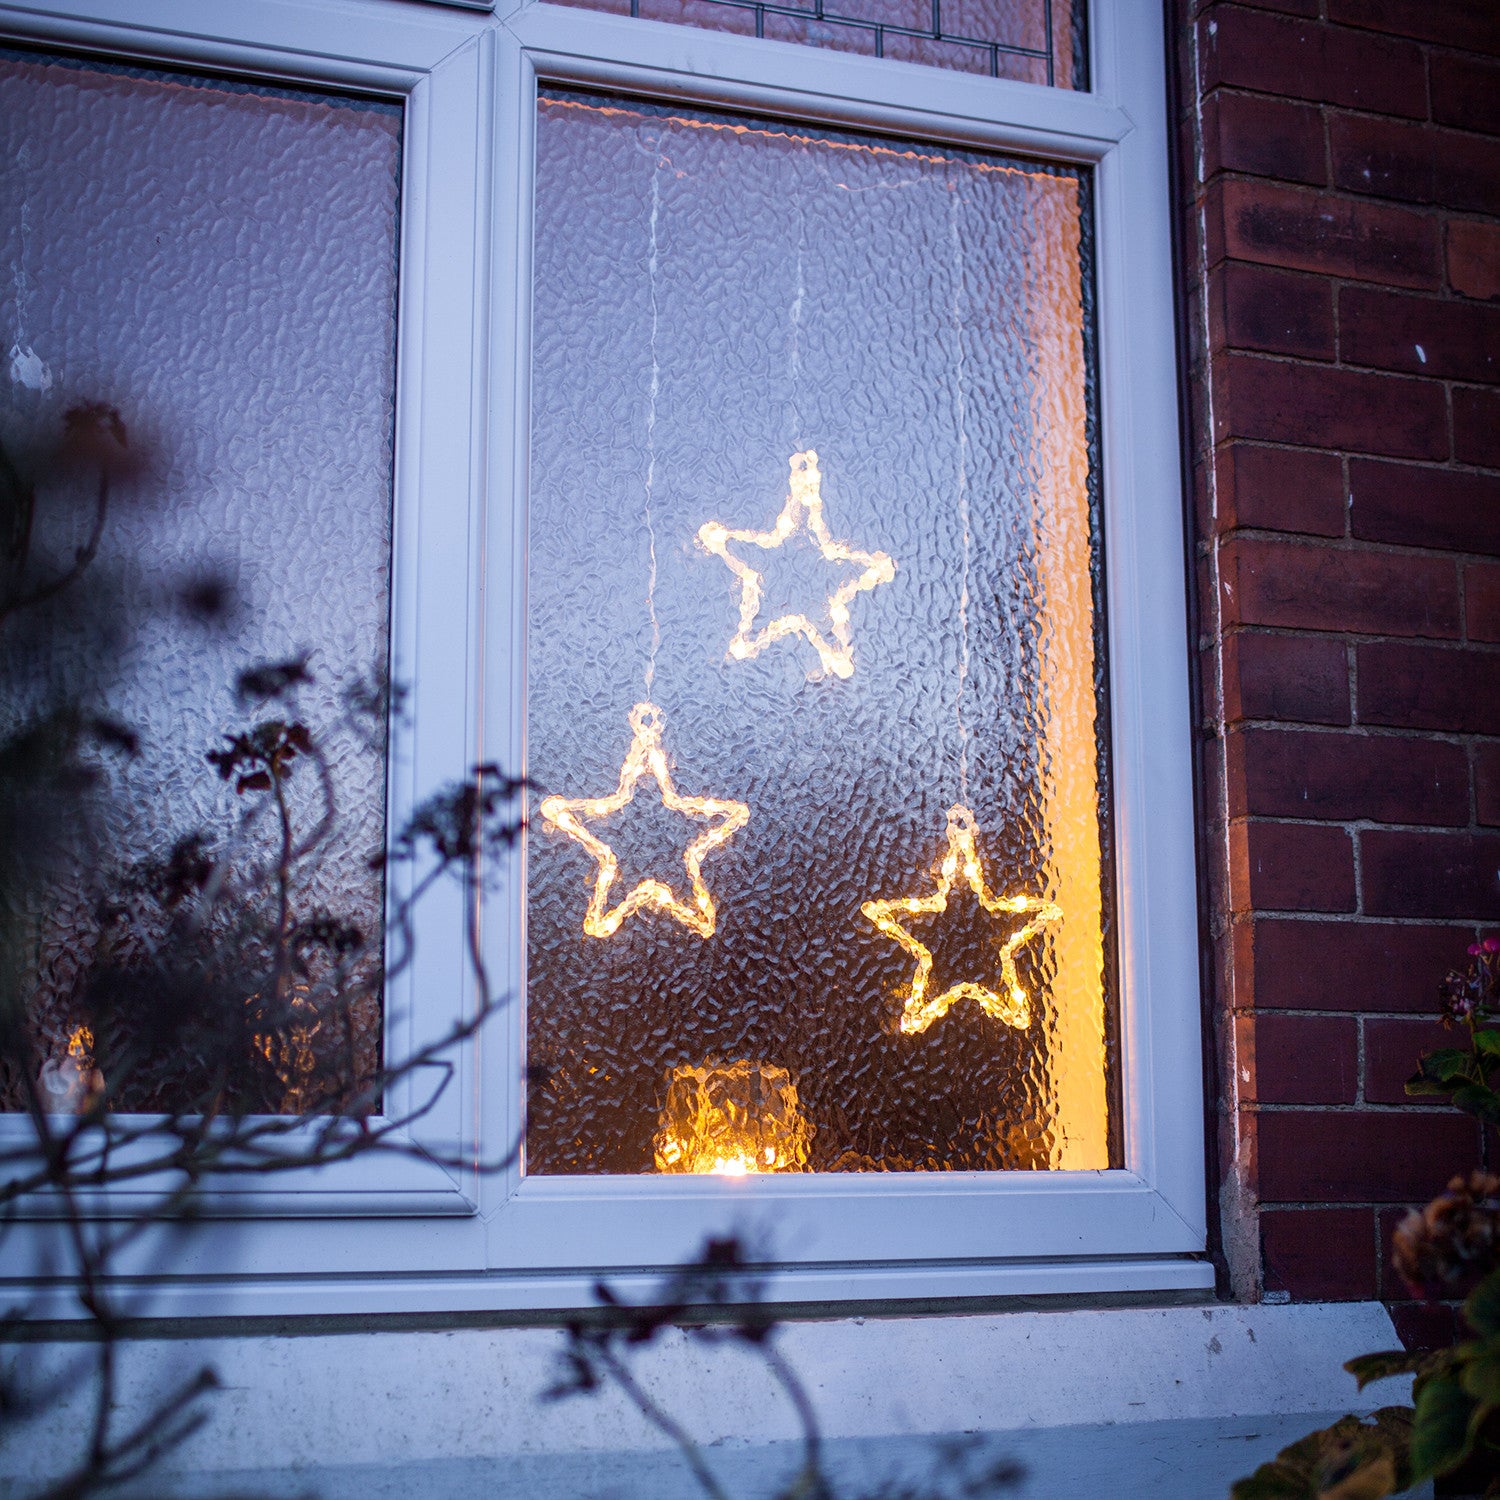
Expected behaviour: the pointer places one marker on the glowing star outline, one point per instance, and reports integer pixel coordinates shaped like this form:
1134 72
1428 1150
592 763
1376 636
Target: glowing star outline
803 508
1013 1006
646 757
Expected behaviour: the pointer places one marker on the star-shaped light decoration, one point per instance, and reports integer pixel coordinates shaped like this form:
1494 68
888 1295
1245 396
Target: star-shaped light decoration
803 508
647 757
1010 1002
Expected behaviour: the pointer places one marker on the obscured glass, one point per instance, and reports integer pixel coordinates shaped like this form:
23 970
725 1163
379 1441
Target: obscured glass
217 263
1033 41
715 299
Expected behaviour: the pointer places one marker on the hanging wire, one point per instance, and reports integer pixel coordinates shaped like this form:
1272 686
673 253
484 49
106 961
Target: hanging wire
960 403
794 358
653 390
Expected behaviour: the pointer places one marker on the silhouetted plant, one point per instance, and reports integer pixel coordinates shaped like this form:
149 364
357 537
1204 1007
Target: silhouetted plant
222 1026
225 1025
1452 1430
717 1299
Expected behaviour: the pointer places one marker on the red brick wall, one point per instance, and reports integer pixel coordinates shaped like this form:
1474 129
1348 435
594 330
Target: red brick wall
1340 171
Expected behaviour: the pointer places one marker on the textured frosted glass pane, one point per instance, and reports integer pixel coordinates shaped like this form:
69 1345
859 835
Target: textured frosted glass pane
218 262
713 296
1003 38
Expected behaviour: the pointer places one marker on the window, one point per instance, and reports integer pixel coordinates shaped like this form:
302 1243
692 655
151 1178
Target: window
658 289
241 322
753 343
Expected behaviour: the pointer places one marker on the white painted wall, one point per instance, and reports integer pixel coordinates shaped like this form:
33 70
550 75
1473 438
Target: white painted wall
1159 1401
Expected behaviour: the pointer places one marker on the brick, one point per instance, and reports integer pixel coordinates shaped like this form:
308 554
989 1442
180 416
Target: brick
1290 867
1277 312
1476 427
1356 411
1482 601
1473 258
1389 158
1425 1325
1280 489
1391 1051
1297 1059
1422 507
1280 402
1386 1220
1419 335
1425 687
1287 7
938 54
1394 159
1413 874
1465 92
1280 773
1264 137
1487 784
1300 229
1319 1254
1303 586
810 32
1360 1156
1354 966
1242 48
698 13
1470 24
1294 678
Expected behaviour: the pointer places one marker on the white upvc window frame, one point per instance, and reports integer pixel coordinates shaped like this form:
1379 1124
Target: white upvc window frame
383 1234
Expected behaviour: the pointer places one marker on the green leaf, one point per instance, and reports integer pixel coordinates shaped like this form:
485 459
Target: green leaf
1352 1460
1482 1310
1480 1100
1417 1086
1445 1064
1273 1481
1481 1377
1292 1474
1440 1437
1487 1044
1367 1367
1373 1479
1393 1424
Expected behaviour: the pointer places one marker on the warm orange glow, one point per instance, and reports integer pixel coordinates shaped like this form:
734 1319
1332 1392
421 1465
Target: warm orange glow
788 137
289 1049
1010 1003
803 509
69 1082
1065 704
732 1120
647 757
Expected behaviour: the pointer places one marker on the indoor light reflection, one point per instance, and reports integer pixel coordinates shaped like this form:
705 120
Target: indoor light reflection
731 1120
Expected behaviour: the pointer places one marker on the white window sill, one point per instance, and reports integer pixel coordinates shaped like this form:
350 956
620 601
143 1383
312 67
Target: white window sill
1163 1401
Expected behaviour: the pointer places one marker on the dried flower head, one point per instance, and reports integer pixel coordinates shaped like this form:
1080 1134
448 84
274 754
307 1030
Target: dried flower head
1458 998
1456 1237
94 438
1475 989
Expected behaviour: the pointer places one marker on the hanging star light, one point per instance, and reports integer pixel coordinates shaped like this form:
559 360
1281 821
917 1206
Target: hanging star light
646 757
803 508
1010 1004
